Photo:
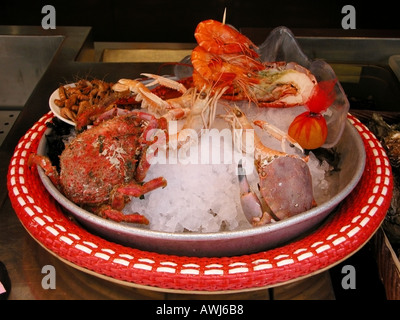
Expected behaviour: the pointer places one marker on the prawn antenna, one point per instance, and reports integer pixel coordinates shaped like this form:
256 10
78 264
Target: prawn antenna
224 16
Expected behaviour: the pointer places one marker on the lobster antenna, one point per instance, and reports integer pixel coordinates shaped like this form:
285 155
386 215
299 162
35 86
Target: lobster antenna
224 17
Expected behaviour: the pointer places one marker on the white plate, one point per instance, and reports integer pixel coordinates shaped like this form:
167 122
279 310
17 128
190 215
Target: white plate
55 109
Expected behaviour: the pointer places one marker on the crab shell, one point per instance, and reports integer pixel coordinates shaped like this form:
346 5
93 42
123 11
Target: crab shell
286 186
101 159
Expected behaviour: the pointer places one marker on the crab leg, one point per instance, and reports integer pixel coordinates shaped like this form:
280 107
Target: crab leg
115 215
136 190
46 165
131 189
252 208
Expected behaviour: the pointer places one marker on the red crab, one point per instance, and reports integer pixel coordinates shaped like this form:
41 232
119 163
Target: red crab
104 165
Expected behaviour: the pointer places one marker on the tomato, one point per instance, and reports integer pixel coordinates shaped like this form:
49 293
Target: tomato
309 129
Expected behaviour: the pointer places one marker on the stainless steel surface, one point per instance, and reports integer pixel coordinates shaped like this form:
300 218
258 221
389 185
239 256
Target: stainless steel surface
23 61
7 119
338 45
141 52
350 50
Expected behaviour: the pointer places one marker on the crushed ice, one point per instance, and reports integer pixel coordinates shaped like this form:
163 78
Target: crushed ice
205 197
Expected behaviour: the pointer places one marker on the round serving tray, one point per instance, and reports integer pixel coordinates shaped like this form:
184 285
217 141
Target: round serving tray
346 231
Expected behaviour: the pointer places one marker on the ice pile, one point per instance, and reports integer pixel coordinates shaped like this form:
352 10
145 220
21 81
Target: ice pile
198 197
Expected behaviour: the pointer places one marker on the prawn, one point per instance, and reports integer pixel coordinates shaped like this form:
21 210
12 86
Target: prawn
219 38
219 71
225 57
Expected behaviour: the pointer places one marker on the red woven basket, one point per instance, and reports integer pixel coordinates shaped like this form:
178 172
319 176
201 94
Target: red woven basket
359 216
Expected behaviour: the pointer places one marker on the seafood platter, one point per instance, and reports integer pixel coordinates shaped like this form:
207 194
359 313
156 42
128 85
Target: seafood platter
246 151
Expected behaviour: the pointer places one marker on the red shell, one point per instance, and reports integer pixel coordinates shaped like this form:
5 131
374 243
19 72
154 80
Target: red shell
322 97
102 157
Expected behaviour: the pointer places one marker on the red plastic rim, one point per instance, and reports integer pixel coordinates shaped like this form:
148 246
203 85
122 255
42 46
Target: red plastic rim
359 216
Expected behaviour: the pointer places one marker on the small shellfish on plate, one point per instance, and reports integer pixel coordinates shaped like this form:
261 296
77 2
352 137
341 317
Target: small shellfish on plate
56 109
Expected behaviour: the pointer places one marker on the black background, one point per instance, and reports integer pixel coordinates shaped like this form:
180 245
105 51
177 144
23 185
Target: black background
175 20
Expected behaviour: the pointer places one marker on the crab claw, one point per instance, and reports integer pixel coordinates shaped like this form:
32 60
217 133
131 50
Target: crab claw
251 205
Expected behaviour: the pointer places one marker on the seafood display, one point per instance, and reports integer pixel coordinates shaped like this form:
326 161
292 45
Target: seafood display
226 64
226 69
104 165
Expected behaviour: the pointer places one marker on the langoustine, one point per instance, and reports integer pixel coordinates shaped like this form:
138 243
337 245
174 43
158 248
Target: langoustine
196 107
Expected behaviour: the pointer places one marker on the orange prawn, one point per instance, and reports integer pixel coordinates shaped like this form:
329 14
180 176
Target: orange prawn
219 71
219 38
226 58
